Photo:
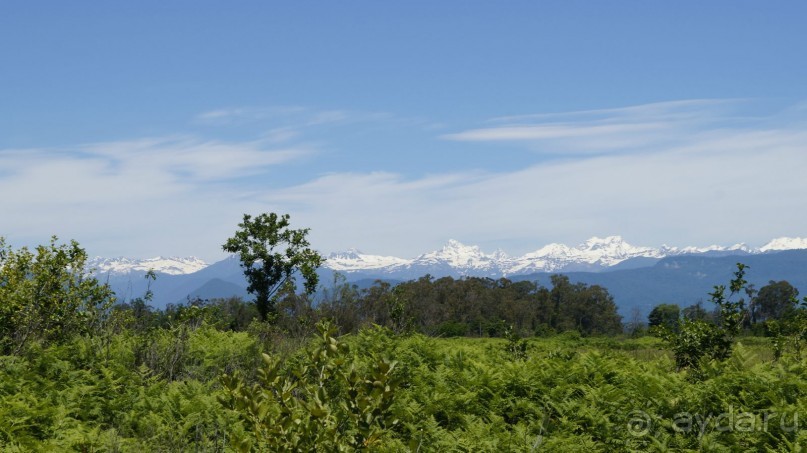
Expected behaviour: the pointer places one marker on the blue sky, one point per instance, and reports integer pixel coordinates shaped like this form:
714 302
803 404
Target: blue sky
145 128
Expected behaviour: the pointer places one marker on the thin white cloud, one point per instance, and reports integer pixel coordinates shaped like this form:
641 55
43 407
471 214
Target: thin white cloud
192 158
242 114
702 109
288 116
147 194
553 131
626 129
693 178
720 185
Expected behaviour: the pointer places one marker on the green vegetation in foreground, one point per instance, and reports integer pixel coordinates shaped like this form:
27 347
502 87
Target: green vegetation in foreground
457 394
81 373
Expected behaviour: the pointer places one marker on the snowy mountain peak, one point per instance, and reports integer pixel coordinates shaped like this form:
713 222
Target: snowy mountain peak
596 253
553 249
785 243
349 254
499 255
458 249
456 254
596 243
611 245
455 247
740 246
166 265
354 260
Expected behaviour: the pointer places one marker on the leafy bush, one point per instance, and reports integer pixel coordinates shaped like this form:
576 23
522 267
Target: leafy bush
47 296
696 339
324 404
452 329
516 346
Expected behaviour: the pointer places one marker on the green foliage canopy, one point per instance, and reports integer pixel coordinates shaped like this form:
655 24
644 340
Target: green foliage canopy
271 253
46 295
776 300
664 315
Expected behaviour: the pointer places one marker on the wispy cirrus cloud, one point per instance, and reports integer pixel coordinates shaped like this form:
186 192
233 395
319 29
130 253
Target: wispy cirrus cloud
194 159
241 114
689 109
153 164
554 131
595 132
176 187
688 173
288 116
722 183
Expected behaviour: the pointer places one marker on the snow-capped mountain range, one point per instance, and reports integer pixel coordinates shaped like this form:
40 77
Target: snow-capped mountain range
457 259
171 265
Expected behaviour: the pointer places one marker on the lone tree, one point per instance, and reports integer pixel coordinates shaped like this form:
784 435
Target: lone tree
666 315
271 254
776 300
